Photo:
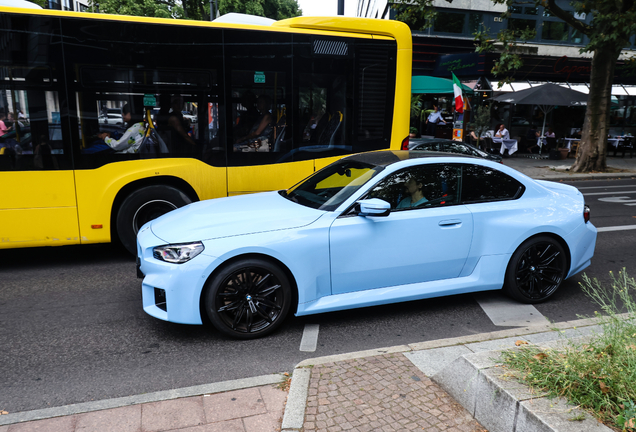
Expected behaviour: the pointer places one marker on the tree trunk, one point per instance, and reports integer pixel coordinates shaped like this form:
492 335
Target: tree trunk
592 153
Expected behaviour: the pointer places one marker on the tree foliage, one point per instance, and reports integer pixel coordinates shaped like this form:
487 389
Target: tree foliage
613 23
197 9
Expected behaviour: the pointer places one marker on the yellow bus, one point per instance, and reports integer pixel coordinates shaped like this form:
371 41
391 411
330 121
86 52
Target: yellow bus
72 83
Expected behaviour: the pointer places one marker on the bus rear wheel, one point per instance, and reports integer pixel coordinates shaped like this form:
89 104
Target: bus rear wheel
144 205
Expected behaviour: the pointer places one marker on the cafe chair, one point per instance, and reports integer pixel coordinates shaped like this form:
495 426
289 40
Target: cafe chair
627 145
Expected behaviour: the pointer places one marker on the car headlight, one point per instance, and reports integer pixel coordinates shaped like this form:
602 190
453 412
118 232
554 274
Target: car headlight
177 253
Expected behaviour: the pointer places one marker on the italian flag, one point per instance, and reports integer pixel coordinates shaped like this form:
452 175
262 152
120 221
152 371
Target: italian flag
459 100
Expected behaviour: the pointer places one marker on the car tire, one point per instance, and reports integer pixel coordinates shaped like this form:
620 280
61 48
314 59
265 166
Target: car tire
536 270
144 205
248 299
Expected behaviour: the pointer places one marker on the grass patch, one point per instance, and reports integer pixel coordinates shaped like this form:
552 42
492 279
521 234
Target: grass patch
599 376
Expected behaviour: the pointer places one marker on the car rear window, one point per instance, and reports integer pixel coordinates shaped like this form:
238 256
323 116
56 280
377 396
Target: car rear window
484 184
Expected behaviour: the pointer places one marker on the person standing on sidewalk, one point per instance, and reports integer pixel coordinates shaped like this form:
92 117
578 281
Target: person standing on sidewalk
432 120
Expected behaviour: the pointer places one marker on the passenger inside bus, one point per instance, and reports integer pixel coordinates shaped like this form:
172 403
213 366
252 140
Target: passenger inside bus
131 140
260 134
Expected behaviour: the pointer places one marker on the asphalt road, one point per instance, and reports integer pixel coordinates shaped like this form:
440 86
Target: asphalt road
72 328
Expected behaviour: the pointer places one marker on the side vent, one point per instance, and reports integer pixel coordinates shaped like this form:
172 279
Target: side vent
331 47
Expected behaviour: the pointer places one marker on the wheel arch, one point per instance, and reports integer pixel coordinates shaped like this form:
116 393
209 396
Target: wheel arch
294 288
129 188
556 237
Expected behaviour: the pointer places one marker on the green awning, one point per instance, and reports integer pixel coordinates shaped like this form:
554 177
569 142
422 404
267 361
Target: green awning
434 85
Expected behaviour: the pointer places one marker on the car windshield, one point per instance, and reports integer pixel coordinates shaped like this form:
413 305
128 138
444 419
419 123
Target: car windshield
332 185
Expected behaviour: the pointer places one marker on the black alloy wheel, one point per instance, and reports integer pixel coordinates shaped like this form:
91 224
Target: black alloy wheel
536 270
248 299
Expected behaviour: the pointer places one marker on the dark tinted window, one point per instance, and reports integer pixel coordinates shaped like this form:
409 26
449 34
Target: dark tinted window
33 115
458 148
375 91
483 184
259 80
448 22
153 71
429 146
438 185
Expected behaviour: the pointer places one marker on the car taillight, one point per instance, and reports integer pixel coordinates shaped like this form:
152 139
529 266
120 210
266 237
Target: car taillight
586 213
405 143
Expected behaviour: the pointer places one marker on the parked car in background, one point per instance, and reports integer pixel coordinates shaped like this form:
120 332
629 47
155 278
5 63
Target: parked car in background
450 146
367 230
188 116
111 119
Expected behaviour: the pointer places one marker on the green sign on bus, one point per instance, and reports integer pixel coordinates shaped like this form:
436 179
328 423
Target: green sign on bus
259 77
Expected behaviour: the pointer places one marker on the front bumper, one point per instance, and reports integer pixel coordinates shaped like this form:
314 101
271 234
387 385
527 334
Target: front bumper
171 292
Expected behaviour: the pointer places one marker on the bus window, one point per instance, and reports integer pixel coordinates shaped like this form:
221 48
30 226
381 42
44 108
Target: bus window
259 112
31 129
113 121
38 205
375 68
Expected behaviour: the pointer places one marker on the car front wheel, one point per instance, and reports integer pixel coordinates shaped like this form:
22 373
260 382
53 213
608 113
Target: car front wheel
248 299
536 270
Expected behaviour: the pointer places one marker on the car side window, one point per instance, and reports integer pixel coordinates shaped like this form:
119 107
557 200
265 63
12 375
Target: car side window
484 184
424 186
458 148
429 146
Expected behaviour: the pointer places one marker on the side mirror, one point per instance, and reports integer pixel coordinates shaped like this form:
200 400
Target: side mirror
374 207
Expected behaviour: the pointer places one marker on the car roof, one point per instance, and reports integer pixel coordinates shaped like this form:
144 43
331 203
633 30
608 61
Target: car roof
386 158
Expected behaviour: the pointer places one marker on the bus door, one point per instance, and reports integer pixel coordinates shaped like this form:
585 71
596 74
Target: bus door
37 202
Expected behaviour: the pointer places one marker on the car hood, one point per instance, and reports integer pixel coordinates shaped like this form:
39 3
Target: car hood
226 217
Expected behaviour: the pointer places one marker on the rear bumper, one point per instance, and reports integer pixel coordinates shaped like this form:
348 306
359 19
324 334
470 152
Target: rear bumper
582 242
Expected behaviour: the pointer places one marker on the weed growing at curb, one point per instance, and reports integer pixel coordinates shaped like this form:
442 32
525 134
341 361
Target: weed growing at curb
599 376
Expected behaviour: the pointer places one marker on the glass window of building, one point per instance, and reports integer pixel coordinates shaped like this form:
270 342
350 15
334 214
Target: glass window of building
555 31
449 22
475 22
519 25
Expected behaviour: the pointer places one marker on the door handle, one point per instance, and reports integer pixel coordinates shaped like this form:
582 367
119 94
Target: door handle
449 222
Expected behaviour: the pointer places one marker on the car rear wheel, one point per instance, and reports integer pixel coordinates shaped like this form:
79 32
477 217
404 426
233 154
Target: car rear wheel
144 205
536 270
248 299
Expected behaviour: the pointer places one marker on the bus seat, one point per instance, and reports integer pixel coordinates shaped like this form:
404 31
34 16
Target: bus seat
330 135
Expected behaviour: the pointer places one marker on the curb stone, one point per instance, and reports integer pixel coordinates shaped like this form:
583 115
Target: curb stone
85 407
530 413
501 404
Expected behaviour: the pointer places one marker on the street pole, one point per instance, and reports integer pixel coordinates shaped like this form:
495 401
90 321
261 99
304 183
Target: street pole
214 9
340 7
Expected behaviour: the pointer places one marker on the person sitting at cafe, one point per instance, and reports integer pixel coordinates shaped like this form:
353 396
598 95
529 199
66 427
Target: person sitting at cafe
502 132
550 133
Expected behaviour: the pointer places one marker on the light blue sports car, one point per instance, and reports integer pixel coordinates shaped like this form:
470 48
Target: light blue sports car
369 229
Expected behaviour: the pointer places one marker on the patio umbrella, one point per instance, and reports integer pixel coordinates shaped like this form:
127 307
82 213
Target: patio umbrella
546 97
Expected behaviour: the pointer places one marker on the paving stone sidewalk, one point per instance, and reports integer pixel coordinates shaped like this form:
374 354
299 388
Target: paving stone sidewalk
256 409
381 393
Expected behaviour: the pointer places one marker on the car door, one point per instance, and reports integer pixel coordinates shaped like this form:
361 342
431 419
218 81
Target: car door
410 245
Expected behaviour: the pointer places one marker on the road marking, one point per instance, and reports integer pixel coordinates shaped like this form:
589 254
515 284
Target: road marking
620 200
608 193
617 228
604 187
310 338
504 311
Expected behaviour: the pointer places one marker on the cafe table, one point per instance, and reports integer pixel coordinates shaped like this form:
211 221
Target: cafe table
511 144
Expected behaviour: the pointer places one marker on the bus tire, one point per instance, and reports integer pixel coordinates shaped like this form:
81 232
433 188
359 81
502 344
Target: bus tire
144 205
